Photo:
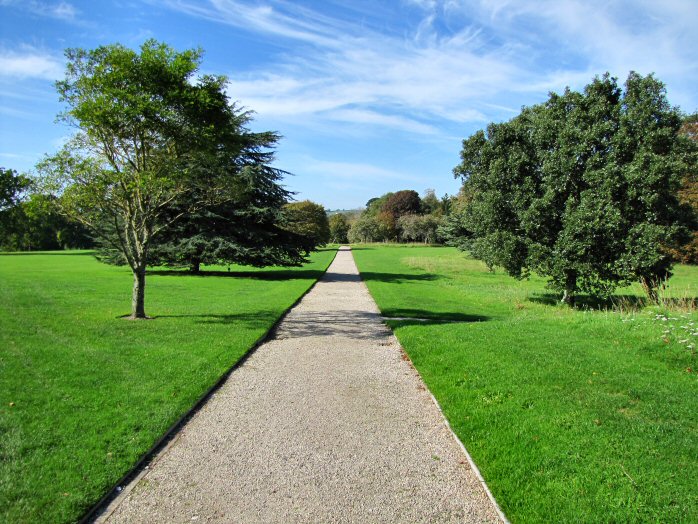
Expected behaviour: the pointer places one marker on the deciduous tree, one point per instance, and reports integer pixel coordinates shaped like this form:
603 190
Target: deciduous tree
582 189
152 138
309 220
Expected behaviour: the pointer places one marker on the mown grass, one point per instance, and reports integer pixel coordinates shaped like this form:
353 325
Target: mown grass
84 393
572 415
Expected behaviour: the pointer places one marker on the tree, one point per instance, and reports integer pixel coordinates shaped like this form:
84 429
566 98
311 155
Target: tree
431 204
339 228
688 195
248 227
581 189
365 229
308 220
13 190
403 202
151 138
418 228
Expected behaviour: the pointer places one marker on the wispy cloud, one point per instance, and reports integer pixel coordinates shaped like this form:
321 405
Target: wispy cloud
355 171
58 10
460 62
29 62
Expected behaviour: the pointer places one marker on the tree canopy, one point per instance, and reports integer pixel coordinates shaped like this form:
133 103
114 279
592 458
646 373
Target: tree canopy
582 188
155 143
309 221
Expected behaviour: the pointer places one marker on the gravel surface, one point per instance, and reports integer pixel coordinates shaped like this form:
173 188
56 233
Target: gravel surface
326 422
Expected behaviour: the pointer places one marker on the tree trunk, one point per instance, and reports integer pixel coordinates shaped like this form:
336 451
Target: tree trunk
138 297
195 265
568 297
650 286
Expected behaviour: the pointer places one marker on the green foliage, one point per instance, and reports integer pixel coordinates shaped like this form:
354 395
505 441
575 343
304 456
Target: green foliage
571 415
687 253
155 143
401 203
39 225
13 190
84 394
367 228
246 228
581 189
309 221
339 228
418 228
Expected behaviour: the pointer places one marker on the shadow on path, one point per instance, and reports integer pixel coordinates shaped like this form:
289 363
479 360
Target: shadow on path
350 324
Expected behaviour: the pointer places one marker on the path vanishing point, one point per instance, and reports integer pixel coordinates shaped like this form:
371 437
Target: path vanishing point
325 422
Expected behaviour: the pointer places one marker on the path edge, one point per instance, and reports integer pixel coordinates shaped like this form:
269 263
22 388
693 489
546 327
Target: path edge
458 441
104 507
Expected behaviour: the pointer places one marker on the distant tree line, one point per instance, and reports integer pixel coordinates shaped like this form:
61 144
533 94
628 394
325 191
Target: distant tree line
32 221
402 216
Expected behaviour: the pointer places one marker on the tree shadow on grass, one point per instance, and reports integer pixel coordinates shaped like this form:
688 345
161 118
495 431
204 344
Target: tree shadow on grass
616 302
584 302
397 278
249 320
264 274
397 317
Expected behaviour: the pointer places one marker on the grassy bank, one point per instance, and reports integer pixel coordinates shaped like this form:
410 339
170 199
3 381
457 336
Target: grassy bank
84 393
571 415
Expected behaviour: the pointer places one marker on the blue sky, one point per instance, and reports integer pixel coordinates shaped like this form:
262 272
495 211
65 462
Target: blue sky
370 96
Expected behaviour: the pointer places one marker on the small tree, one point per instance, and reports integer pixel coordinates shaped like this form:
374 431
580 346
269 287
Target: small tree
339 228
365 229
308 220
418 228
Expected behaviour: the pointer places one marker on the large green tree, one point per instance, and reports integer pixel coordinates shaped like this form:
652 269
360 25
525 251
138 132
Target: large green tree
308 220
248 227
152 138
582 188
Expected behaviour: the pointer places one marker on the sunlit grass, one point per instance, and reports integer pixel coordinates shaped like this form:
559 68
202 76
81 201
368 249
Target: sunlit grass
84 393
573 415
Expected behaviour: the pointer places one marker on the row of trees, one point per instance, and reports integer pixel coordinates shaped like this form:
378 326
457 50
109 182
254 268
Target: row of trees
583 188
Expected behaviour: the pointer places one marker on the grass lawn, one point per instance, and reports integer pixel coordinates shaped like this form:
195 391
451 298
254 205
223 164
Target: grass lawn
84 393
571 415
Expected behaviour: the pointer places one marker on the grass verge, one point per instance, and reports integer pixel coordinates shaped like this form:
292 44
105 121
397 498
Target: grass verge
84 393
572 415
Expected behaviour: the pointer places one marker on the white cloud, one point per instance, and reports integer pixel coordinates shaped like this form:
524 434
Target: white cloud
30 63
466 60
59 10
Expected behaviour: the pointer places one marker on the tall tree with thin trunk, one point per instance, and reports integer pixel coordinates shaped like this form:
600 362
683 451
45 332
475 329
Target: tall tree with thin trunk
151 138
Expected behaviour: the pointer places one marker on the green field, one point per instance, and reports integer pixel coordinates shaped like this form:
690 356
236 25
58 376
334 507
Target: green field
84 393
571 415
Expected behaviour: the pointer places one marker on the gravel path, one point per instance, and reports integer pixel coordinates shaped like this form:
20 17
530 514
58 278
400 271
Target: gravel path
326 422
